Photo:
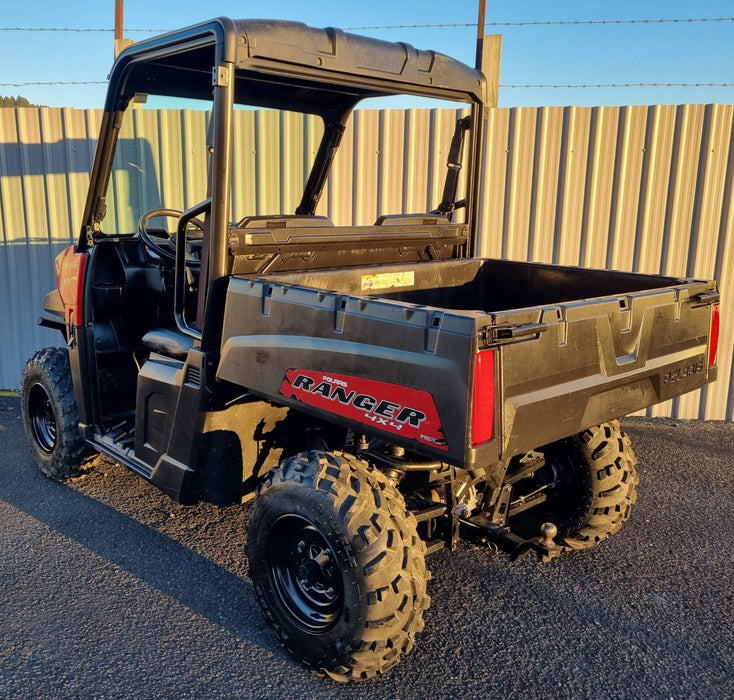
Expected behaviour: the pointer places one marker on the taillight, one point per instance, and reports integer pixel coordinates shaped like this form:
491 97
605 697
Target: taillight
482 412
714 335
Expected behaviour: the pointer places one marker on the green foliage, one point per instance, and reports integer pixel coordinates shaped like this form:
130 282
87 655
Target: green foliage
16 102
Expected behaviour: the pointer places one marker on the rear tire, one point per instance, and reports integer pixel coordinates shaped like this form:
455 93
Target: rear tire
337 564
50 415
591 487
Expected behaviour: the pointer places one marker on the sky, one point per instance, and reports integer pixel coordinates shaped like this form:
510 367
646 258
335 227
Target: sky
684 52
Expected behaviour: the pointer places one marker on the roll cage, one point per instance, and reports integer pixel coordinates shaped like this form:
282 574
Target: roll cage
275 65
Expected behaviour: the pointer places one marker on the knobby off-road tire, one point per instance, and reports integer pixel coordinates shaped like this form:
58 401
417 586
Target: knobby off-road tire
594 487
337 564
50 415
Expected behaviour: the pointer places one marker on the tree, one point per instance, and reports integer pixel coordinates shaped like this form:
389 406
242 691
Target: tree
18 101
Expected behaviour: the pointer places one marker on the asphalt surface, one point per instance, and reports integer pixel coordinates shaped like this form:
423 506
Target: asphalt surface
111 590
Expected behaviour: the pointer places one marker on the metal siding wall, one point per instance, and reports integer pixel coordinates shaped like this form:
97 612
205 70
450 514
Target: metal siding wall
634 188
45 159
647 189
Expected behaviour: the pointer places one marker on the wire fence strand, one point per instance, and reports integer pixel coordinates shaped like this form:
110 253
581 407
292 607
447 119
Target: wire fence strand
55 82
446 25
77 30
506 86
558 86
549 23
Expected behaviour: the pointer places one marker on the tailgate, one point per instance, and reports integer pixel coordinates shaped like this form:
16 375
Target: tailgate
579 364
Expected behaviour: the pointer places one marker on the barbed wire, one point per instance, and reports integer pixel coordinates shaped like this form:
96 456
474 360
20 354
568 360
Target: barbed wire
506 86
76 29
460 25
546 23
56 82
509 86
558 86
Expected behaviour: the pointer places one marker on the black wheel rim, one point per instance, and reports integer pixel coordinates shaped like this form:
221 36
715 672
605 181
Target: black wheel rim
42 418
305 573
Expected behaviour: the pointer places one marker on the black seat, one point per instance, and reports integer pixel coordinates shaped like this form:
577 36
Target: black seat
169 342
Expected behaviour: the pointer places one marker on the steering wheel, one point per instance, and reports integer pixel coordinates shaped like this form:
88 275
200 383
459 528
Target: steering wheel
163 246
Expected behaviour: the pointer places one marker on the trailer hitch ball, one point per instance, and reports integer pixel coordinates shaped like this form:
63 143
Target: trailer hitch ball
548 532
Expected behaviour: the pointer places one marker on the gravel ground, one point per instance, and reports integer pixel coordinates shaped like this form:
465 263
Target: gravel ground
109 589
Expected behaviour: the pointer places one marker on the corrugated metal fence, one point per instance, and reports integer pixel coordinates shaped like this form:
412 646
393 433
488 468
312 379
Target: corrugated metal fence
632 188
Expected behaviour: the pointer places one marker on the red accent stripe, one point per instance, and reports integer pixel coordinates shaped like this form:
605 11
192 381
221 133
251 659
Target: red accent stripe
403 411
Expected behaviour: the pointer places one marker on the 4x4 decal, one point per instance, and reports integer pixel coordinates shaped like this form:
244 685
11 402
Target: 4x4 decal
401 410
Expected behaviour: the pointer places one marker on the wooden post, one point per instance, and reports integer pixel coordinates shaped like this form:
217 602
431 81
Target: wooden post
120 43
491 57
489 53
480 33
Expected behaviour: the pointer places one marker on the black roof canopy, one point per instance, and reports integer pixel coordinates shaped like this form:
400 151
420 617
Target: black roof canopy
288 65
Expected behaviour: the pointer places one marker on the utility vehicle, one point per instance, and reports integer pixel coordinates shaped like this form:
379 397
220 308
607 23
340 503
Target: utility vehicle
234 329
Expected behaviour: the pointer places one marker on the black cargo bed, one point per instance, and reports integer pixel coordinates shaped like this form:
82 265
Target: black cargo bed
477 285
586 345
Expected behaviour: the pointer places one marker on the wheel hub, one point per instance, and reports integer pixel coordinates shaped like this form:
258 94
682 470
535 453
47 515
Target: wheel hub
42 418
304 573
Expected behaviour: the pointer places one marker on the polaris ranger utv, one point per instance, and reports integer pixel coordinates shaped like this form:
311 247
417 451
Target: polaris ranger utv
382 390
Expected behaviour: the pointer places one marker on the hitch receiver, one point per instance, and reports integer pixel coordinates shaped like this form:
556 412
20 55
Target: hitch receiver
517 547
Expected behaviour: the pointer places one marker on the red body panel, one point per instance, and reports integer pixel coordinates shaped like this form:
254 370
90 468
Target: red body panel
69 268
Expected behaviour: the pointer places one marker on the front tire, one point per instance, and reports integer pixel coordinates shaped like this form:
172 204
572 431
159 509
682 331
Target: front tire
590 483
337 564
50 415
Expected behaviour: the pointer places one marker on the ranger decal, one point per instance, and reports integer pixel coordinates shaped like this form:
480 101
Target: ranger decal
401 410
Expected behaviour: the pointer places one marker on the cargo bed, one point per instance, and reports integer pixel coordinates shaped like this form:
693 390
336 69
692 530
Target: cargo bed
580 346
